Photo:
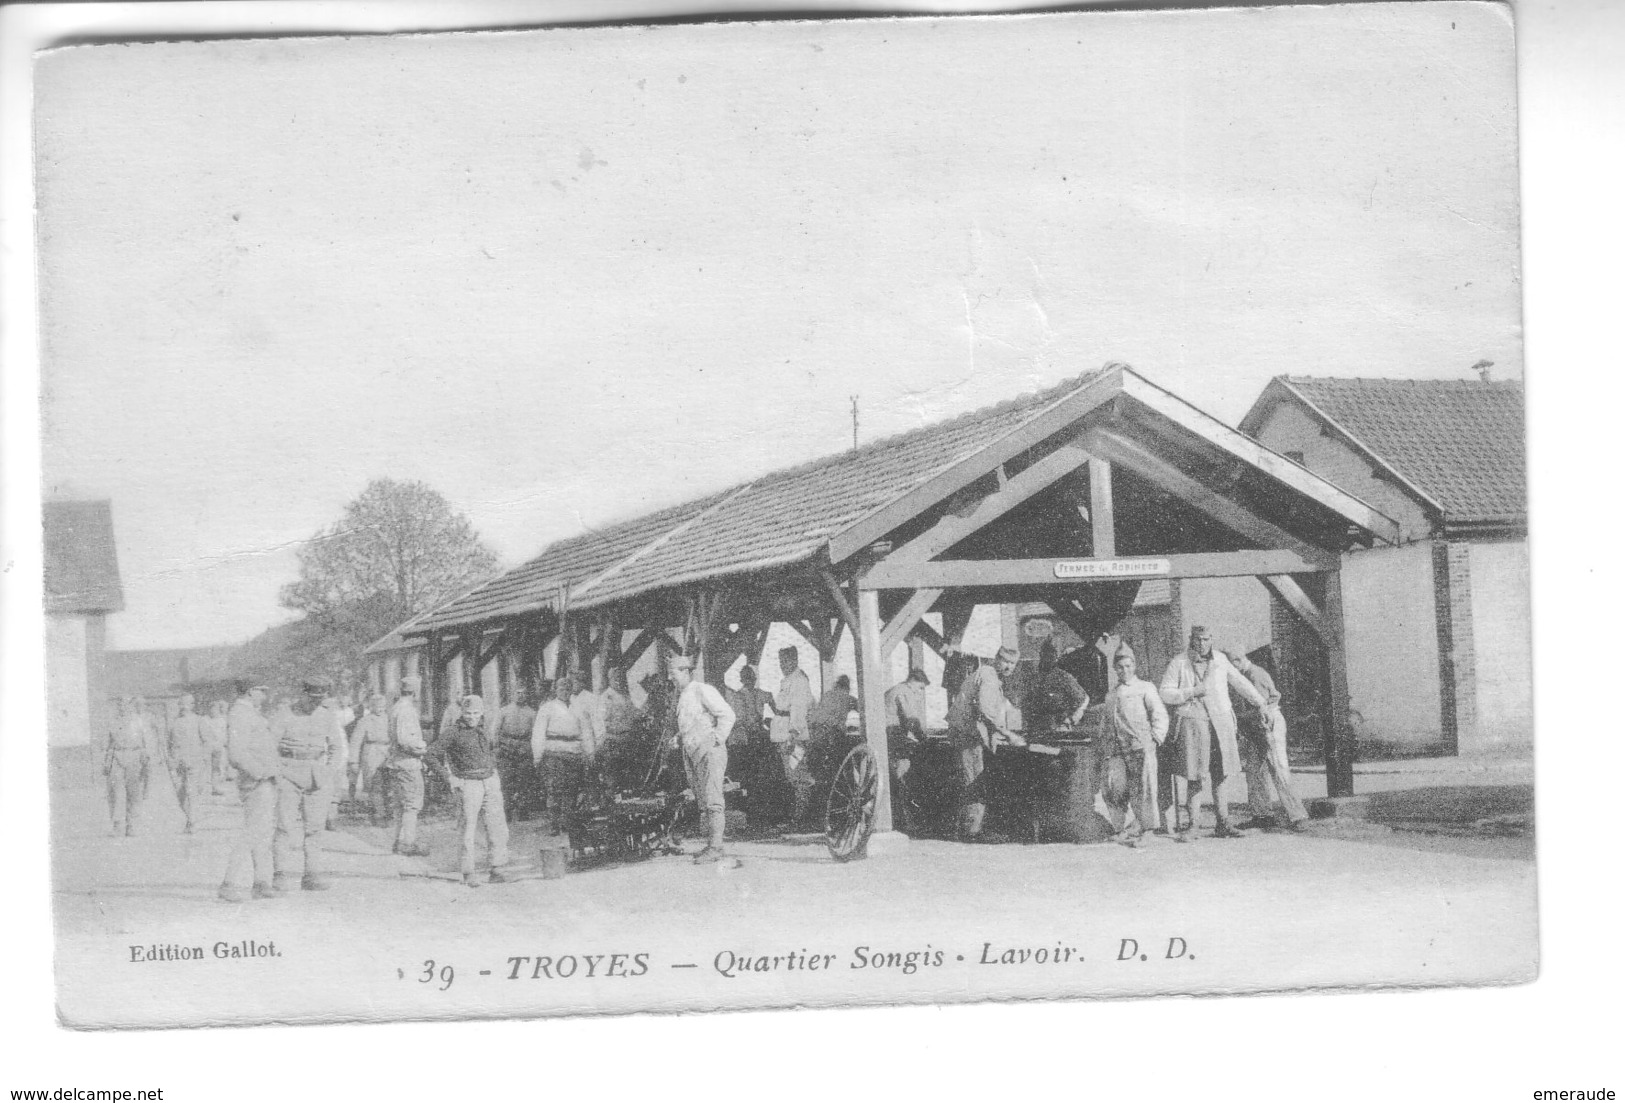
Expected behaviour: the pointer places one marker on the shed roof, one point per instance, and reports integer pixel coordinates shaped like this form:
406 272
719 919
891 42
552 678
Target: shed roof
781 517
1459 443
81 562
796 514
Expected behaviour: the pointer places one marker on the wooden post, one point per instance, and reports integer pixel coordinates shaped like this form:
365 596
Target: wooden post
1101 523
435 684
871 702
1340 733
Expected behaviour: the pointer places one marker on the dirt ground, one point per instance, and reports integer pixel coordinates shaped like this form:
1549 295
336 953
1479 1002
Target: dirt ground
1401 898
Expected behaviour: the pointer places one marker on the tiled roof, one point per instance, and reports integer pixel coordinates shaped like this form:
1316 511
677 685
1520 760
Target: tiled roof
566 562
782 517
81 563
1459 441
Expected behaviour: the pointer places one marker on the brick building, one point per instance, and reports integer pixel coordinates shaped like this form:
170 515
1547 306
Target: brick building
1438 625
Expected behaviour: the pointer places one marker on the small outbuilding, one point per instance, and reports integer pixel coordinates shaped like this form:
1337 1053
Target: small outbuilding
1438 622
82 588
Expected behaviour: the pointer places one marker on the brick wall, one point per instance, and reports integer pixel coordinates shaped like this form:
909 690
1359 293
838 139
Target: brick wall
1453 614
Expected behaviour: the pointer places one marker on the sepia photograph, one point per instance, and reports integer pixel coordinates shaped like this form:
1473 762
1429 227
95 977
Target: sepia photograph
725 514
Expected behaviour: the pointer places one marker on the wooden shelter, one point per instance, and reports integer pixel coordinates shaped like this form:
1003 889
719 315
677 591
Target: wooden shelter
1071 496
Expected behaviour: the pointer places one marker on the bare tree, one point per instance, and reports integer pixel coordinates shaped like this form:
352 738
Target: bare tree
398 551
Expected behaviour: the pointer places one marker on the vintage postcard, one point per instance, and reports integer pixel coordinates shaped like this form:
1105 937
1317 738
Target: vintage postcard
742 514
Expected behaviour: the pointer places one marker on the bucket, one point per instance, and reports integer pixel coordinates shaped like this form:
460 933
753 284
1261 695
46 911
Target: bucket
555 862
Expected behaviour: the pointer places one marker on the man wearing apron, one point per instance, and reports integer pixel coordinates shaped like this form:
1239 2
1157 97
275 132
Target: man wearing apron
1194 687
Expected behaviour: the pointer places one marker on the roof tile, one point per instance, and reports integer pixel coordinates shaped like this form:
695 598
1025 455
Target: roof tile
1460 441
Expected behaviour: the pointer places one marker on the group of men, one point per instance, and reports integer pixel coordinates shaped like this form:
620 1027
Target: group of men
1212 718
144 741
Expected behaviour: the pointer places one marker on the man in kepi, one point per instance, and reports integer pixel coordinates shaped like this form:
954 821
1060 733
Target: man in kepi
472 762
792 705
979 724
1138 723
312 745
905 731
369 750
1194 686
405 765
127 761
1270 798
258 766
703 723
562 750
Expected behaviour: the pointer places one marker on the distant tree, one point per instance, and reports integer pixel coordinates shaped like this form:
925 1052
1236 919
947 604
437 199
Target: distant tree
399 550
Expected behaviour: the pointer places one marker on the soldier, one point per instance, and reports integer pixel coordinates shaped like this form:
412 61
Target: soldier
905 732
1137 722
619 719
519 790
132 749
703 722
1263 753
472 762
978 725
751 754
1194 687
369 749
405 765
562 749
188 758
792 707
253 752
311 743
214 730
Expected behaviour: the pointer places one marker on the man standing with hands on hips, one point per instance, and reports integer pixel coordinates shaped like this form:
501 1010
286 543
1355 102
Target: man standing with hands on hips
704 720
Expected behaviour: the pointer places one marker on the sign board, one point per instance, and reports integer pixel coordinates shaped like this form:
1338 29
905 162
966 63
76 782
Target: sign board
1111 568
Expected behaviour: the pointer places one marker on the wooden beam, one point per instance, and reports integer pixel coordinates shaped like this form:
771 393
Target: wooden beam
1340 746
918 604
931 638
953 528
1045 424
842 606
1226 511
958 573
871 699
640 643
1102 522
1285 587
955 619
1250 451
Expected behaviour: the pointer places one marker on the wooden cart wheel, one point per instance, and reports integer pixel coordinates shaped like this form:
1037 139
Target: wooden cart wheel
849 813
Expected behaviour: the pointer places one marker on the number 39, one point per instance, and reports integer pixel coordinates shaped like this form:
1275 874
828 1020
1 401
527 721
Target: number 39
445 975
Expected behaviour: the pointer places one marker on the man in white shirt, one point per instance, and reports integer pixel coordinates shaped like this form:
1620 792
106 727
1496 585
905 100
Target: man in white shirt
704 720
1204 729
561 746
587 709
792 705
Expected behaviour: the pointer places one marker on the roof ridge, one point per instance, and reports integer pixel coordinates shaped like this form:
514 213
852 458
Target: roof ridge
1504 383
1044 395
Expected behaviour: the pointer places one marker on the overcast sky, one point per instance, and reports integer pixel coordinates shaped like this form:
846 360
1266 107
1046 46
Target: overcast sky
572 275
